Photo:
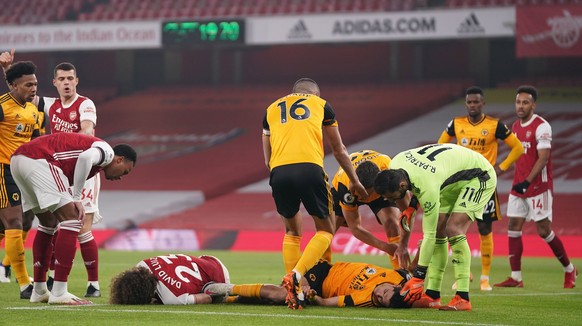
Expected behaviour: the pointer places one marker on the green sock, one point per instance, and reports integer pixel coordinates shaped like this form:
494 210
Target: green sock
438 263
461 261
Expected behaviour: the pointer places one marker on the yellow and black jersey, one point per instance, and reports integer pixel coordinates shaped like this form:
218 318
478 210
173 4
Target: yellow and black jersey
481 137
294 126
341 181
354 283
17 124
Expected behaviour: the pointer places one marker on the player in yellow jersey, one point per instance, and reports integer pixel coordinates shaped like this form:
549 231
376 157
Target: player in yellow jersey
293 128
368 164
480 132
339 285
18 124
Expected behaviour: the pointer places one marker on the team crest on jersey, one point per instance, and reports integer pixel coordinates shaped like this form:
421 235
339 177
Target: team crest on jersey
349 198
484 132
371 271
312 277
15 196
528 134
73 115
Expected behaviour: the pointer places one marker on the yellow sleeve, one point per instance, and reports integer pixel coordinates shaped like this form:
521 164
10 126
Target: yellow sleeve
516 151
445 138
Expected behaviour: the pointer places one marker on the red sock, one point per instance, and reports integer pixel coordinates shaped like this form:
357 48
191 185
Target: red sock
41 252
65 248
558 248
90 254
515 251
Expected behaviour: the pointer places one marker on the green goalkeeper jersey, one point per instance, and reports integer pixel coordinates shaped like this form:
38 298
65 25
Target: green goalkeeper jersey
446 178
432 169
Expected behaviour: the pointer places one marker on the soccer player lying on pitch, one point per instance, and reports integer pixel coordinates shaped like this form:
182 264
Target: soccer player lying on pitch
341 284
173 279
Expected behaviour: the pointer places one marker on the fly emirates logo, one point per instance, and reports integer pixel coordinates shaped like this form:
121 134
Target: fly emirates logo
61 125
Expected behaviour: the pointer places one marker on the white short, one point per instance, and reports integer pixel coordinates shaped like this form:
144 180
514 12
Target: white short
44 187
534 208
90 197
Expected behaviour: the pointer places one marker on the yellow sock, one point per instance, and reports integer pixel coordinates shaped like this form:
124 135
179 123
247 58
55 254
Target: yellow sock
486 253
394 259
247 290
15 252
313 251
291 251
327 255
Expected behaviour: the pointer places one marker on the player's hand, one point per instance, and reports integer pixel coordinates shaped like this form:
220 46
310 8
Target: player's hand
80 210
6 59
521 187
403 256
356 188
412 290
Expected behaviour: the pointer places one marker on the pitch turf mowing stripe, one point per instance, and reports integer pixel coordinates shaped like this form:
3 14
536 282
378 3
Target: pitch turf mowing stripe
298 316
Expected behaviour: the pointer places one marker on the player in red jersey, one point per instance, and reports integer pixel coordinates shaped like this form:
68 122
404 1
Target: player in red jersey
45 169
173 279
532 192
71 112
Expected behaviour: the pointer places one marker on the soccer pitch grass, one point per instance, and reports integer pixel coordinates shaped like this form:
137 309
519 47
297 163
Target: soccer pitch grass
542 301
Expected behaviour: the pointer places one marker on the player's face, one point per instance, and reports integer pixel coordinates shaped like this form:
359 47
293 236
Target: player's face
118 168
66 83
524 106
383 293
474 104
24 88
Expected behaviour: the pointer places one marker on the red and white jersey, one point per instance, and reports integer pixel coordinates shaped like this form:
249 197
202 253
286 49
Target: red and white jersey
67 118
534 135
63 149
181 276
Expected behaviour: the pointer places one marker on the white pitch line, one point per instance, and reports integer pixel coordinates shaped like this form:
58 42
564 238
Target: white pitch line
416 321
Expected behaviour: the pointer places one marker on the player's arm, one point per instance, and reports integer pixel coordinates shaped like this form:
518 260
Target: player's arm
354 222
6 59
326 302
543 158
266 142
512 142
341 155
88 117
448 134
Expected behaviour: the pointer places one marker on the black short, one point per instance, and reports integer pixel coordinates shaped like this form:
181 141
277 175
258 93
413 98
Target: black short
9 192
305 183
317 274
491 212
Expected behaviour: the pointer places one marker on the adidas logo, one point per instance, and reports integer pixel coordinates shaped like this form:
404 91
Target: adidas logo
299 31
59 110
463 204
470 25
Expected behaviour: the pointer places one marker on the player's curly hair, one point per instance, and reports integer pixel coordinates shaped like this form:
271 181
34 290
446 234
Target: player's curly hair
19 69
367 172
135 286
